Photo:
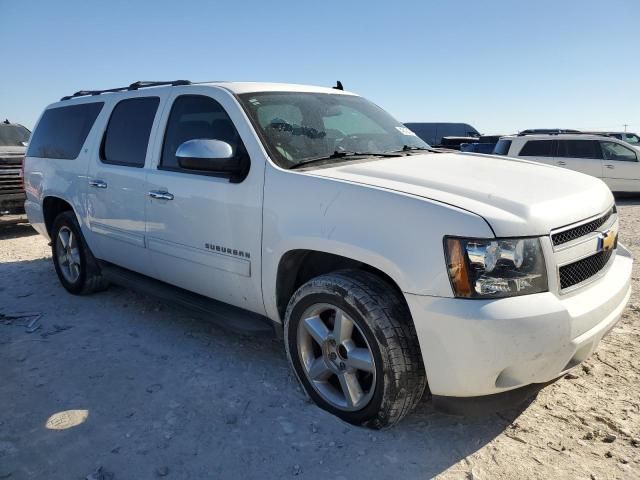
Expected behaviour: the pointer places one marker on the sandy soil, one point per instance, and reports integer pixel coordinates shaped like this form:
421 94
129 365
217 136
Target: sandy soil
119 386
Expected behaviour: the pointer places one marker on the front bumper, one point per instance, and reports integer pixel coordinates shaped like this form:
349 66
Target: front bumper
482 347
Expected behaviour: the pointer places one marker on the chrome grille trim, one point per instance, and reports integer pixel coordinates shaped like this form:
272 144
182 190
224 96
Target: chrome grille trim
571 233
11 175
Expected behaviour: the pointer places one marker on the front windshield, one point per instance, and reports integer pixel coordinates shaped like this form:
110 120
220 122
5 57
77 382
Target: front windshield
299 127
631 138
13 135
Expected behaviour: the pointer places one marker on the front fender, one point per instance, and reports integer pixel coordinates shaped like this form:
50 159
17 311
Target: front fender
397 233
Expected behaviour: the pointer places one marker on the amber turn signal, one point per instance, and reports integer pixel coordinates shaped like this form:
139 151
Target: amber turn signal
458 269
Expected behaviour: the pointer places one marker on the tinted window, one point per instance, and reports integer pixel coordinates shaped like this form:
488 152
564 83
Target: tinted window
127 136
631 138
13 135
193 117
432 133
502 147
579 149
537 148
615 151
62 131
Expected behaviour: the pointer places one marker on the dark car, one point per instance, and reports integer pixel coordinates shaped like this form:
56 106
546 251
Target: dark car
13 142
433 133
484 144
454 143
477 147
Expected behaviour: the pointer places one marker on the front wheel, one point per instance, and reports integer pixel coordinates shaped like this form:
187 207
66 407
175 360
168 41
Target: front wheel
352 345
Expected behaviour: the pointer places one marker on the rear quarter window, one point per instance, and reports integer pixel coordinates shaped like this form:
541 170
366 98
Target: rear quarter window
502 147
62 131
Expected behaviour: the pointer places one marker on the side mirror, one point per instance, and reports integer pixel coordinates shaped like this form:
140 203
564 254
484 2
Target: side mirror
208 155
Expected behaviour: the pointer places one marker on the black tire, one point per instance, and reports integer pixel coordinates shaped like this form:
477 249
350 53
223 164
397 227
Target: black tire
382 316
89 279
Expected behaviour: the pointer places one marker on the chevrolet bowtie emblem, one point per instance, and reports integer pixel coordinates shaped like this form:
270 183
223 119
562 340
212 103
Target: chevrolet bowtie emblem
607 240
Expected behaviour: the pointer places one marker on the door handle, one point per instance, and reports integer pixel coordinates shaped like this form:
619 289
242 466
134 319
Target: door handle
160 195
97 183
562 164
608 165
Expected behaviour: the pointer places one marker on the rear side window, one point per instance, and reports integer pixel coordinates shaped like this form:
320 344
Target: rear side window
127 136
615 151
197 117
537 148
62 131
579 149
502 147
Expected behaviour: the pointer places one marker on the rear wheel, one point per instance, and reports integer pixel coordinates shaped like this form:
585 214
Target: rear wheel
351 342
75 265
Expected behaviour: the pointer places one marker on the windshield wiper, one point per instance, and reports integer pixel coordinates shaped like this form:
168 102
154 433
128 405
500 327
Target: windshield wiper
342 154
412 148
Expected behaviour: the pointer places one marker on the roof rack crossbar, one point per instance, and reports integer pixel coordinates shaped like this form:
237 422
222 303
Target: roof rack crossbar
134 86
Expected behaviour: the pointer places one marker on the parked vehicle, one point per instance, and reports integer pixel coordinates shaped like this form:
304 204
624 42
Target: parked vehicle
477 147
433 133
383 264
629 137
13 141
484 144
454 143
610 159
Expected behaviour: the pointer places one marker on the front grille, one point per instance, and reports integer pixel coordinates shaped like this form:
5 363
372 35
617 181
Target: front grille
582 270
581 230
10 177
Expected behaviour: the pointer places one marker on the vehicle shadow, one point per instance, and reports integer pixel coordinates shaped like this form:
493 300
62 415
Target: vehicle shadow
627 198
15 228
159 384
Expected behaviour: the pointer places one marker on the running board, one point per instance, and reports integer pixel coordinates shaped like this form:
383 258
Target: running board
227 316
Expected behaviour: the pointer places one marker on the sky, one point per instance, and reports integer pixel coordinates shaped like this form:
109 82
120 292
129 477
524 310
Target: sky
501 66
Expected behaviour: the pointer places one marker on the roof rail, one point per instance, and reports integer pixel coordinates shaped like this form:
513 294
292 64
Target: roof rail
524 133
134 86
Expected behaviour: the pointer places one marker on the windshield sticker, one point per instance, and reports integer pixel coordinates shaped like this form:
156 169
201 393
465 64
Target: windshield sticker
406 131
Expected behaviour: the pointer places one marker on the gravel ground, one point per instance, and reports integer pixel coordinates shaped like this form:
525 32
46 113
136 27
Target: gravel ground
118 386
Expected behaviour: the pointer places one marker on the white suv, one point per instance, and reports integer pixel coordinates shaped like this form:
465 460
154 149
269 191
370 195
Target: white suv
385 266
612 160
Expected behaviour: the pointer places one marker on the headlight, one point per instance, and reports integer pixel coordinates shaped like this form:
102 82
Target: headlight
492 268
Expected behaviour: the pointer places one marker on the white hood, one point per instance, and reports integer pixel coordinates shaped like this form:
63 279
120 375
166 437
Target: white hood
516 197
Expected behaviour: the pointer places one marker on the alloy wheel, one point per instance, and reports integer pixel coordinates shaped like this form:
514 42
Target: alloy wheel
68 254
336 357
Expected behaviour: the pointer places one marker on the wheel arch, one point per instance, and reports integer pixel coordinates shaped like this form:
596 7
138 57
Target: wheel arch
298 266
52 206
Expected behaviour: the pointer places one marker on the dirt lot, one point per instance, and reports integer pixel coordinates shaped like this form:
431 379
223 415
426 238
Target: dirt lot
145 391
